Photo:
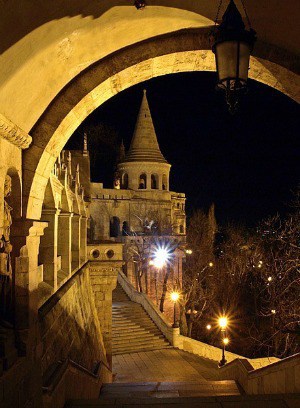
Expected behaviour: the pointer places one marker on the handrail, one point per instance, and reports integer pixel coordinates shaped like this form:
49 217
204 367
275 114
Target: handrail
61 368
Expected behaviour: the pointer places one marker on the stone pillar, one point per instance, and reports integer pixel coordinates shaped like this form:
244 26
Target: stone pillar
64 241
83 239
48 247
76 241
104 281
148 175
25 237
159 182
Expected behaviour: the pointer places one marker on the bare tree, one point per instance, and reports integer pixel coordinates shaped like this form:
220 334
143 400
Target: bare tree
197 291
279 283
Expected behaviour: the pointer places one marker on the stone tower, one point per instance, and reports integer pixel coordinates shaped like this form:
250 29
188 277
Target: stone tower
144 167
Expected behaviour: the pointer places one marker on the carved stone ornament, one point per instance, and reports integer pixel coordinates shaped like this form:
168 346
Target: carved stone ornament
13 133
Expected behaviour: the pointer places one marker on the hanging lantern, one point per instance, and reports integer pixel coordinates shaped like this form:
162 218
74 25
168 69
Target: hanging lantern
232 47
140 4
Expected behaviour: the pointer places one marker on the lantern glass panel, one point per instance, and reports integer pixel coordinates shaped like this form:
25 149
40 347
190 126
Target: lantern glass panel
227 54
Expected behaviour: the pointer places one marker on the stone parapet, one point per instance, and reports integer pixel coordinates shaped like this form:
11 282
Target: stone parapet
281 377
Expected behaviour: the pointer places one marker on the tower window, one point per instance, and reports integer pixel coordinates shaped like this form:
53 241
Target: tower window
143 182
154 181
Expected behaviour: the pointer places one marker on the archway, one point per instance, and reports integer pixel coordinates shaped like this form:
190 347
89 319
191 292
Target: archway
183 51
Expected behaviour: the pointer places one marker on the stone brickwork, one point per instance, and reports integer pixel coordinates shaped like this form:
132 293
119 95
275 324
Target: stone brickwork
104 280
69 325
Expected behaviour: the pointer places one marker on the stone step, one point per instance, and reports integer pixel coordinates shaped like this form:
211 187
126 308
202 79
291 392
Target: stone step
139 349
134 333
141 339
133 346
171 400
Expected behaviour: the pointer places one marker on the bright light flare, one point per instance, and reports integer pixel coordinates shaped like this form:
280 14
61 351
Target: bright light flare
223 321
226 341
174 296
189 251
208 326
270 279
211 264
161 257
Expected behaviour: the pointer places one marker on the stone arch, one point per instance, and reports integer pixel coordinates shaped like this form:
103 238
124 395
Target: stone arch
143 181
164 182
184 51
125 181
115 227
154 181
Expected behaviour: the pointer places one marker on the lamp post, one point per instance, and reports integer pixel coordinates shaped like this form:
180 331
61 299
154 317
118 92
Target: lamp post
232 47
223 321
174 298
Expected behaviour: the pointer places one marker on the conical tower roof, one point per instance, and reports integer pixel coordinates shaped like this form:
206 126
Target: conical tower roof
144 146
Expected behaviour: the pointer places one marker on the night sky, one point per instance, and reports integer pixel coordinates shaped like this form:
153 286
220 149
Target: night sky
247 164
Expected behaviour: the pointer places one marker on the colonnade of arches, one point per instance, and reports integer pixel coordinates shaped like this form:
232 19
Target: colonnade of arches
147 181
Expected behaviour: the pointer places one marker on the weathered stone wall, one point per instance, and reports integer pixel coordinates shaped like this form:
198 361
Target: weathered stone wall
70 326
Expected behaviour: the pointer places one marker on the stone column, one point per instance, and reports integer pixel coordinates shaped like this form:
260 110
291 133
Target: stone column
76 223
148 175
48 247
25 237
83 239
104 281
64 241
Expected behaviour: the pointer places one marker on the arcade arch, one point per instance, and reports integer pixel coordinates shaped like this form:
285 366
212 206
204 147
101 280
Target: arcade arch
184 51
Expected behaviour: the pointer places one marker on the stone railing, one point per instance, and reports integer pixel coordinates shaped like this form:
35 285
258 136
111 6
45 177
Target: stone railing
214 353
281 377
174 336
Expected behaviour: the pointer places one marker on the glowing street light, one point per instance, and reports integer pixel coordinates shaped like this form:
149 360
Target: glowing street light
226 341
223 321
188 251
161 257
269 278
174 297
211 264
208 326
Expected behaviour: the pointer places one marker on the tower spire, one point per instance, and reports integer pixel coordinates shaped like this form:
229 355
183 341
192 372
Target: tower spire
144 146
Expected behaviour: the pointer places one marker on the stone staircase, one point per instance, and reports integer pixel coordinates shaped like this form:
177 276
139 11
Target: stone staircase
132 328
213 394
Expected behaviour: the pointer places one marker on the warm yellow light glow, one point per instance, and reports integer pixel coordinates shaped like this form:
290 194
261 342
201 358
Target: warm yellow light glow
210 264
273 311
270 278
208 326
189 251
151 263
226 341
161 256
174 296
223 321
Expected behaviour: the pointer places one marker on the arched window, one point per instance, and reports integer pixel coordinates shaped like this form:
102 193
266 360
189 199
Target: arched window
125 181
143 182
181 229
125 228
164 182
115 227
154 181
